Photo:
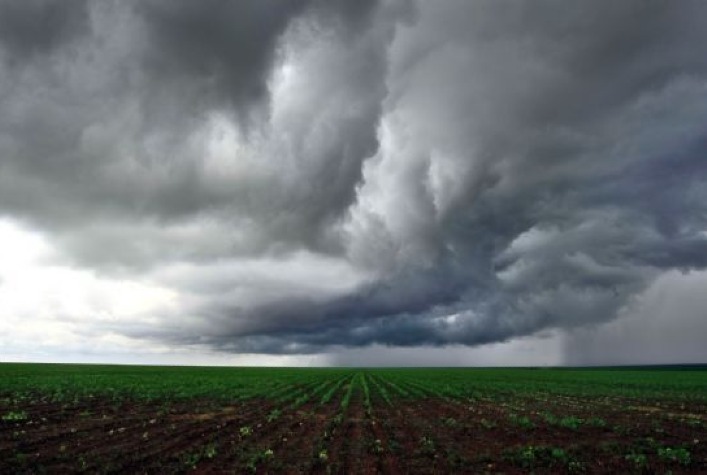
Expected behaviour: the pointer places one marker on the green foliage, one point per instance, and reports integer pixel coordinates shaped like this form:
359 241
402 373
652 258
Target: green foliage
258 457
15 416
694 420
382 391
274 415
349 391
639 461
331 391
292 387
527 456
531 457
678 454
377 446
521 421
488 424
192 459
72 383
551 419
210 451
449 421
473 401
570 422
366 396
596 422
559 455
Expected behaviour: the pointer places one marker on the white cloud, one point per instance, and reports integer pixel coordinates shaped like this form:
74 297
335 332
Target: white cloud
48 306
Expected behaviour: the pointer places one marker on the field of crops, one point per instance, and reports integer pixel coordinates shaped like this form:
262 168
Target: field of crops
133 419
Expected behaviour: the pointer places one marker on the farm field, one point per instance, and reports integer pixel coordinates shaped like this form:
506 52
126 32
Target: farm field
141 419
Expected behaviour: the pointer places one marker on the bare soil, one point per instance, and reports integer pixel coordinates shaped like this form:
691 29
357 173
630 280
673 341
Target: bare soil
424 435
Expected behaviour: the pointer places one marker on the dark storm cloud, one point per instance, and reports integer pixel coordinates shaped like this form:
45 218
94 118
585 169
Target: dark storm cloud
39 26
105 143
306 174
223 48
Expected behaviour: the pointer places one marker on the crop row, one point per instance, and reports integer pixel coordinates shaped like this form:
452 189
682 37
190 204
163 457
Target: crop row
47 382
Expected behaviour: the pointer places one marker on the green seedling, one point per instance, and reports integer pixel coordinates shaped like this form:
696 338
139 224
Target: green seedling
15 416
570 422
639 461
559 455
596 422
527 456
523 421
192 460
274 415
210 451
679 455
488 424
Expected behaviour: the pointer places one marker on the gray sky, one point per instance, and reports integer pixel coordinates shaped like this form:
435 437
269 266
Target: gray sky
353 182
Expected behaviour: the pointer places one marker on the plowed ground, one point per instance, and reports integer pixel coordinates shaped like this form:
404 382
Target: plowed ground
424 434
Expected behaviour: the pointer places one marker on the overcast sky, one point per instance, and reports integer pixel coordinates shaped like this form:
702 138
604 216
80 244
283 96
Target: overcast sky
353 182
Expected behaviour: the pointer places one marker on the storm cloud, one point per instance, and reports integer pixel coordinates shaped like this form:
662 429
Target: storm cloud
296 176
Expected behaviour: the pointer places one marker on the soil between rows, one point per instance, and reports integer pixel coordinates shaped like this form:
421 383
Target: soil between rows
422 435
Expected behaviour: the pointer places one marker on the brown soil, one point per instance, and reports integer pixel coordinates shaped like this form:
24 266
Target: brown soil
423 435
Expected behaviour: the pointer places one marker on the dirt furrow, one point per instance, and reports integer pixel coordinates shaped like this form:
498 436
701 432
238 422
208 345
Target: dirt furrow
265 442
190 440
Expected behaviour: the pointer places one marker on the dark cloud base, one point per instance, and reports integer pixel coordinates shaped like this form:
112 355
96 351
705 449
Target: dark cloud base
487 170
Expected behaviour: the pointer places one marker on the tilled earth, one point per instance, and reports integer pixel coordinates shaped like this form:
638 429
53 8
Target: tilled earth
414 435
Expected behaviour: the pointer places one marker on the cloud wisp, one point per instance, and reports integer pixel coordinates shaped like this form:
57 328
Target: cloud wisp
290 177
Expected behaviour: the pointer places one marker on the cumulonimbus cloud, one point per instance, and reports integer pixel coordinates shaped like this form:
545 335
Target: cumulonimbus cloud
306 174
